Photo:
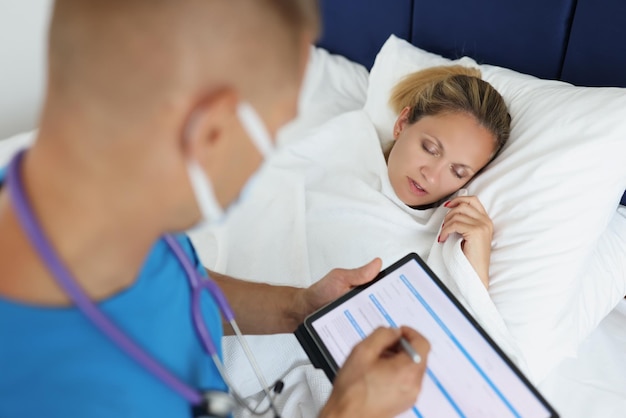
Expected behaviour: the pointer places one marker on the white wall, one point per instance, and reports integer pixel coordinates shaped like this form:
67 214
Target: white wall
23 32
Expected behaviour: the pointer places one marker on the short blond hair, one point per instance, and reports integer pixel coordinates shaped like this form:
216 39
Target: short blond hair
298 14
130 54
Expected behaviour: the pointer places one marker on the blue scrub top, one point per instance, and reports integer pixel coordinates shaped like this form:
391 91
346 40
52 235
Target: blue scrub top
55 363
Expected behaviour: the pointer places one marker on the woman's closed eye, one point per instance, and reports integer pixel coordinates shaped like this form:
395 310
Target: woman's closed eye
431 148
459 172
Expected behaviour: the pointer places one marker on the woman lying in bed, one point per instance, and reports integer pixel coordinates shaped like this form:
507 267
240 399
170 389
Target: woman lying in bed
337 198
451 124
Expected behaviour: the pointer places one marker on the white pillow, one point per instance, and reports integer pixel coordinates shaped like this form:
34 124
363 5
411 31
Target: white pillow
606 275
332 85
551 193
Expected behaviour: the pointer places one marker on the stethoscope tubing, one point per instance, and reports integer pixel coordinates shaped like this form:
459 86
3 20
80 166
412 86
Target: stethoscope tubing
43 247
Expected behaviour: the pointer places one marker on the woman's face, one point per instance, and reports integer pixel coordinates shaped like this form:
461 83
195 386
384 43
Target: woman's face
436 156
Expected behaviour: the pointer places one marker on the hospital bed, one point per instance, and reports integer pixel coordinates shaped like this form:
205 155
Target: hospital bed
559 259
559 264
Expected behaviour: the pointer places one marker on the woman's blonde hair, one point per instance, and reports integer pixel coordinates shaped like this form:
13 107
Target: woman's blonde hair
450 89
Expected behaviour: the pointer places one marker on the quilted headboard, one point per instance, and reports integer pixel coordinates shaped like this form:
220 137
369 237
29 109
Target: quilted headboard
579 41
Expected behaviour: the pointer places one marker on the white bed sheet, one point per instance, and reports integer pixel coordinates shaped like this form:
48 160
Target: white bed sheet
593 385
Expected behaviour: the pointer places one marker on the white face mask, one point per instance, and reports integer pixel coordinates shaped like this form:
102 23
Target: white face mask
202 187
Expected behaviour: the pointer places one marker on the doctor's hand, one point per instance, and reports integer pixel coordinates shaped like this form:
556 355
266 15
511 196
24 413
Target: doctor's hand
334 284
266 309
378 380
468 217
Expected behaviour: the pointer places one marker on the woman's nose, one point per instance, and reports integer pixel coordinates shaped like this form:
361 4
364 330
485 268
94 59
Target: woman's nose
433 171
430 173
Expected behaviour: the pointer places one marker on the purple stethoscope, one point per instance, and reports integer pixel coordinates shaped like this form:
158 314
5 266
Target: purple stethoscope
211 403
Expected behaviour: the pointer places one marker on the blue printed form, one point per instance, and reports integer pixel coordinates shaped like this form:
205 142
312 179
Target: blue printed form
465 376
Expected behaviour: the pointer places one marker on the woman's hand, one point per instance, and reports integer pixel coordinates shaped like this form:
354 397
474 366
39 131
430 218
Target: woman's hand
468 217
378 380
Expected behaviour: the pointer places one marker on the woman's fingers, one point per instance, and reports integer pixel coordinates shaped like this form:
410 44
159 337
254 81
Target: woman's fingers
468 218
466 225
471 201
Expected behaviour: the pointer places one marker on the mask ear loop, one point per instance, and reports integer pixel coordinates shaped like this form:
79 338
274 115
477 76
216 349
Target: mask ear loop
205 195
255 128
202 188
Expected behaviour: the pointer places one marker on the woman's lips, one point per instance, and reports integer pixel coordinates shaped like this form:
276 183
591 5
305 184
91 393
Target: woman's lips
416 189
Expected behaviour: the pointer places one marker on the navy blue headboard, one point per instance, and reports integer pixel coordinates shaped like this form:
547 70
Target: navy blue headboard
350 29
579 41
596 55
529 36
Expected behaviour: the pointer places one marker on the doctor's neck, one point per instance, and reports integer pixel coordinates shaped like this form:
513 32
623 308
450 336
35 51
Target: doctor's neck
101 222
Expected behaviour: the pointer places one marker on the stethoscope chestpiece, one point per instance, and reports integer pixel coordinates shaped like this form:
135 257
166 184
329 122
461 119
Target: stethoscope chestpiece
216 404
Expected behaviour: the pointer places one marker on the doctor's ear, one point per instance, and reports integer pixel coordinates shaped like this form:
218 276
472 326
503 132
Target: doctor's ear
207 123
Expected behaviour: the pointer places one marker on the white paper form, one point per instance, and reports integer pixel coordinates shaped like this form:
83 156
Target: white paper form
465 376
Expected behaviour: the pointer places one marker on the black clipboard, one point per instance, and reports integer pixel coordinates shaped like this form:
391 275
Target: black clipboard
321 357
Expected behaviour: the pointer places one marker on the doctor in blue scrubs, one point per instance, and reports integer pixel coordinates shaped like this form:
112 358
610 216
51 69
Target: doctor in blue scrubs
156 115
